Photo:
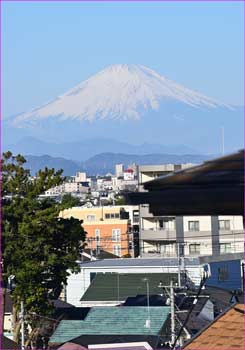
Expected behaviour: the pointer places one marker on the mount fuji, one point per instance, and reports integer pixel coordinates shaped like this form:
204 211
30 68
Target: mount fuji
133 104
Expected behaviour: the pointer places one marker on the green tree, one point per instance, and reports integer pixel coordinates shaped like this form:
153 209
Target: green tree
120 200
38 246
69 201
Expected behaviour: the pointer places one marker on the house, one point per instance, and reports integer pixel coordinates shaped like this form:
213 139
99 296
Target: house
78 283
222 268
115 325
226 332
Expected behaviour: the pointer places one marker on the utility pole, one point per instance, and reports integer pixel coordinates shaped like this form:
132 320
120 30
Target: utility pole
22 318
172 313
179 267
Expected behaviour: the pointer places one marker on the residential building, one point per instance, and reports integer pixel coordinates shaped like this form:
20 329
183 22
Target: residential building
189 235
119 170
185 235
111 228
226 272
80 177
128 174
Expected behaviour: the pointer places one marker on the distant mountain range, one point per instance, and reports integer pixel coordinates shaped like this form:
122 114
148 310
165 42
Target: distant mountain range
133 105
105 162
81 151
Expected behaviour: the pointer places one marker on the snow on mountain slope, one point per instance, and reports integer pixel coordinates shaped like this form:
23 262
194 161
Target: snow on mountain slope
118 92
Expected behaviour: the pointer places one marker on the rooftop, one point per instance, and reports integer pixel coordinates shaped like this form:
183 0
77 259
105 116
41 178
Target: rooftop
225 333
113 321
139 262
118 287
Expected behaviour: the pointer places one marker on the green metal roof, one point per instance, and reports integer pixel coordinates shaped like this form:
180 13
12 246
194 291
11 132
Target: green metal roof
117 287
113 321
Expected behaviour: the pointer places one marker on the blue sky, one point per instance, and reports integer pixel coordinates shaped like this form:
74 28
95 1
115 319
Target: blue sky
47 48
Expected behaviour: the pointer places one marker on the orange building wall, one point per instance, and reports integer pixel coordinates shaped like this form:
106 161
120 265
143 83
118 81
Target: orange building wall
106 242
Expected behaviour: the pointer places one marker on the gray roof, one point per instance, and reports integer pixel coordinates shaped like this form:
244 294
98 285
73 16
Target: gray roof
139 262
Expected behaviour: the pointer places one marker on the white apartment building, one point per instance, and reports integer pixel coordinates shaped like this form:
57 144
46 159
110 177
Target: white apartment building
119 170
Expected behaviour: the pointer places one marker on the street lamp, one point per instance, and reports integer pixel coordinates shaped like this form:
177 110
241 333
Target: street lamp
148 321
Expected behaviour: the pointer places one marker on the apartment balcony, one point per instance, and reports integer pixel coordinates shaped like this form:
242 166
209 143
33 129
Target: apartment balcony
158 234
144 211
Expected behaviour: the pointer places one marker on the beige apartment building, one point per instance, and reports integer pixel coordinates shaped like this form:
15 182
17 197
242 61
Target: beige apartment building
108 227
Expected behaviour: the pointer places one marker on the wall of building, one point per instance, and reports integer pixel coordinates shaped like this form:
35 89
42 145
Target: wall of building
100 236
225 274
198 235
106 219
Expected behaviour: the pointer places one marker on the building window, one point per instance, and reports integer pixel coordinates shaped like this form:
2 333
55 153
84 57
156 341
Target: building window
97 235
224 225
223 273
194 249
225 248
116 235
91 217
193 225
112 216
117 250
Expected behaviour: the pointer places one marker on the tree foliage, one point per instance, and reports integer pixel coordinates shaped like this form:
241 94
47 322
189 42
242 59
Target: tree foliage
38 246
68 201
120 200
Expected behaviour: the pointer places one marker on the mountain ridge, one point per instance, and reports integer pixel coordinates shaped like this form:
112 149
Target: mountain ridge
82 150
104 163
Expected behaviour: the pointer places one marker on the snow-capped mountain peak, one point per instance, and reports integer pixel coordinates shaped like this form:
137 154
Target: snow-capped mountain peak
120 91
